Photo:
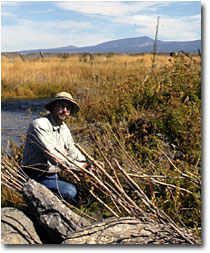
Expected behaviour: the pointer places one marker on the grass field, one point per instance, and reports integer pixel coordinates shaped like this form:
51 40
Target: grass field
44 77
155 112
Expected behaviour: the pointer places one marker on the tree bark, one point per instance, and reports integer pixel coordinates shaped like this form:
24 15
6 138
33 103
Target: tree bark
125 230
17 228
55 218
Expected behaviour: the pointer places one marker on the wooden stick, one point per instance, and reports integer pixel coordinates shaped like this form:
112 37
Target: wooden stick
113 181
99 182
153 176
170 185
17 165
133 162
105 158
115 214
197 182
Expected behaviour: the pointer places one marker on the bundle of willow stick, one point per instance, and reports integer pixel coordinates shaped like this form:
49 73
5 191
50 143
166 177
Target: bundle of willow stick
109 186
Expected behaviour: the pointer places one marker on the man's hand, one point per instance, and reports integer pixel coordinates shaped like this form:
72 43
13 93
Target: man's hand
92 167
100 163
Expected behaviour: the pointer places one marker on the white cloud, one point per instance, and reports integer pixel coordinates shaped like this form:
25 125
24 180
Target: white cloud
112 8
130 13
69 24
6 14
8 8
170 28
180 29
41 11
28 34
10 3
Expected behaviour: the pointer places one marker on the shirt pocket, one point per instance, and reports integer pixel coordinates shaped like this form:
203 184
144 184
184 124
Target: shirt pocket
66 147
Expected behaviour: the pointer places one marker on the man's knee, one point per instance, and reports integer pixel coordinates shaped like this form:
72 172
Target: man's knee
69 191
73 190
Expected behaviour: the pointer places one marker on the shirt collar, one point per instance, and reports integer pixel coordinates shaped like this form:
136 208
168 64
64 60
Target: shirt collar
54 124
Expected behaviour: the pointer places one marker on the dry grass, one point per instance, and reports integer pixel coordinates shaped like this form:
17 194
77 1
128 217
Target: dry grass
45 77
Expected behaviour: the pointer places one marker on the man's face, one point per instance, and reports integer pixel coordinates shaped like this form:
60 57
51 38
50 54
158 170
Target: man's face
61 111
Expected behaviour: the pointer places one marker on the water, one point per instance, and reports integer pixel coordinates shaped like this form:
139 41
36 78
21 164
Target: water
13 125
16 115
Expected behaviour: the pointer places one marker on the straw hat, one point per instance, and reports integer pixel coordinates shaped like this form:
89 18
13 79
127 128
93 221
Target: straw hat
64 96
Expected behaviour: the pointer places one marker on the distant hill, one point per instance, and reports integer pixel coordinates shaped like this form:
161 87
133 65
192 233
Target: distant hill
129 45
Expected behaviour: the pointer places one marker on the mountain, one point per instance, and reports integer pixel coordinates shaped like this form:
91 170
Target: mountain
129 45
51 50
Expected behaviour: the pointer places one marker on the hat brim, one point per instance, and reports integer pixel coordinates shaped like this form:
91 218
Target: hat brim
74 106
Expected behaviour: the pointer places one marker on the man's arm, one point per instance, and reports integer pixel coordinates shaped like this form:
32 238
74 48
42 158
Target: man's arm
40 135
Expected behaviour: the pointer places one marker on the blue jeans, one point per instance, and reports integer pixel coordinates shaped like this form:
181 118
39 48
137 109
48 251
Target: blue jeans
55 184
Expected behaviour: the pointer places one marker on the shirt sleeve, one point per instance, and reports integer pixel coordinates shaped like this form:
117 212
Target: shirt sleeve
73 151
41 136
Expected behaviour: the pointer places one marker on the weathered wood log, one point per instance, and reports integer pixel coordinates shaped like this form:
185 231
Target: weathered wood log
55 218
125 230
17 228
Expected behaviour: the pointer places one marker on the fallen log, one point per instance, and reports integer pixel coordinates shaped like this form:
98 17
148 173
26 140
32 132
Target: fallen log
54 217
17 228
125 230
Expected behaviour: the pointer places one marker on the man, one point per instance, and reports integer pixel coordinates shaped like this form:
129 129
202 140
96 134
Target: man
47 139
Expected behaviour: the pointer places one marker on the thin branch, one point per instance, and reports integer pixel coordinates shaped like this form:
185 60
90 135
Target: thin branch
197 182
115 214
113 182
170 185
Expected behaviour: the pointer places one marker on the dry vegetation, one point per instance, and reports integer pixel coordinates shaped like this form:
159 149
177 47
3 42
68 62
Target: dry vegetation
148 119
44 77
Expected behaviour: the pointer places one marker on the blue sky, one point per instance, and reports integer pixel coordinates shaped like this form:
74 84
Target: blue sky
47 24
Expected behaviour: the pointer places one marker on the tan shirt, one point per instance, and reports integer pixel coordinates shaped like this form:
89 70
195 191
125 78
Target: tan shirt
43 138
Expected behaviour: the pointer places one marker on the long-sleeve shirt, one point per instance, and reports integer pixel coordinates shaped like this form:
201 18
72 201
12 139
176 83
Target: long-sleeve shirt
43 139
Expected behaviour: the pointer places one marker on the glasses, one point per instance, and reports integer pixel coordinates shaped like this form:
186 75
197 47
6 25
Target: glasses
62 106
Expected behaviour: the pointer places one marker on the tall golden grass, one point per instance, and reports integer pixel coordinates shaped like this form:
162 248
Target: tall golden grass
45 77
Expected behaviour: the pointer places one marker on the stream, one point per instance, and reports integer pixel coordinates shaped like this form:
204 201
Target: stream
16 115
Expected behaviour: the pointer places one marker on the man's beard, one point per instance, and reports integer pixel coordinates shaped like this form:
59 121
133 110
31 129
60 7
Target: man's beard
62 116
